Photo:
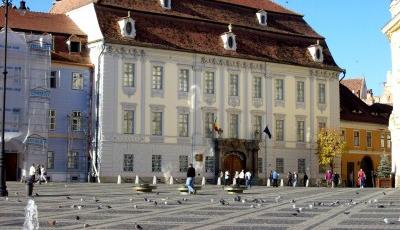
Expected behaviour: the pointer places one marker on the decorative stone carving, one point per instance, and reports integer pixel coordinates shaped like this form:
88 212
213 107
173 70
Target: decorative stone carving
129 90
279 103
234 101
209 98
257 102
157 93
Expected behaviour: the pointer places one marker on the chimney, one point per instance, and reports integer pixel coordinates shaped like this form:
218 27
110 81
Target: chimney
22 5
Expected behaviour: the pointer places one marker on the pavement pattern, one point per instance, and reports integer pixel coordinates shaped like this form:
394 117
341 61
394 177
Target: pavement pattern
112 206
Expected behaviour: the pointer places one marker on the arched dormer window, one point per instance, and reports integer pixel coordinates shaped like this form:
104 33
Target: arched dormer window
166 4
74 44
229 39
316 52
127 26
262 17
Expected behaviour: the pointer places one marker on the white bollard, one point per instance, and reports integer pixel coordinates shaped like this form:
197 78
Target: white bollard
171 180
333 185
154 180
137 179
268 183
281 182
119 179
219 181
307 183
234 181
203 181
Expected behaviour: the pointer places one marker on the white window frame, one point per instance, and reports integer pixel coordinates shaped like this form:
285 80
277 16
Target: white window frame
300 127
77 81
209 83
257 87
183 163
280 129
209 119
157 123
234 120
356 138
128 121
128 163
128 75
301 165
209 164
279 89
50 160
280 165
234 85
257 126
388 141
183 80
157 77
183 124
369 139
76 121
156 163
300 96
73 160
52 119
321 93
382 140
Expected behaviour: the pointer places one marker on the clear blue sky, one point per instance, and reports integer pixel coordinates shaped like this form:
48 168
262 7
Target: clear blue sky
352 29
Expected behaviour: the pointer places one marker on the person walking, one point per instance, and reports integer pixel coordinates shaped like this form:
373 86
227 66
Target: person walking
241 177
43 173
226 177
275 177
361 178
236 178
336 179
305 179
247 177
191 173
290 179
31 180
295 177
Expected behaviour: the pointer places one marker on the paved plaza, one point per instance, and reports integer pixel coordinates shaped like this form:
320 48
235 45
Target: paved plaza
112 206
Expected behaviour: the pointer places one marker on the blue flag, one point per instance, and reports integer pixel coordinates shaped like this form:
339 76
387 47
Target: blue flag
266 131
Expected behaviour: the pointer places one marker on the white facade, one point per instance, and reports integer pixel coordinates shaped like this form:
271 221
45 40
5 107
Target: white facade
267 90
392 31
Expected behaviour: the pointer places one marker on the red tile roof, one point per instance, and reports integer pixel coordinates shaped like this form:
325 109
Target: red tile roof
266 5
353 84
353 108
41 22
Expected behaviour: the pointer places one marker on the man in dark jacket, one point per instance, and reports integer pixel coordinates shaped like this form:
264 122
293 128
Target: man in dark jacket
191 173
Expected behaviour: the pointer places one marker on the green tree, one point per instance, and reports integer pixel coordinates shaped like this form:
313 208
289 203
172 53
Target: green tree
330 145
384 167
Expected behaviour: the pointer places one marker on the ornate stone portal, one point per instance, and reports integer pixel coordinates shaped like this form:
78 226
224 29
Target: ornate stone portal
236 154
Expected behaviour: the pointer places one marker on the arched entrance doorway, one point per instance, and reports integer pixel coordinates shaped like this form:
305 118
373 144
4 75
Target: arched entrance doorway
234 161
368 167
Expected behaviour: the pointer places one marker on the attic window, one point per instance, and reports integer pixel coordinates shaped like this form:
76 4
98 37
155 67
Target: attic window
127 26
316 52
74 44
229 39
165 4
262 17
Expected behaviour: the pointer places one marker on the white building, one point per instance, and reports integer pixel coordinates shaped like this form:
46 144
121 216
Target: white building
392 31
169 72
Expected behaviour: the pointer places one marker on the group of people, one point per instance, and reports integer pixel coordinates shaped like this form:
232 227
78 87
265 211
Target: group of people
242 178
332 178
292 178
37 174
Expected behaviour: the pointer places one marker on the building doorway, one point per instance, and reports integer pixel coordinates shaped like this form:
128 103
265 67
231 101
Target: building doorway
234 162
11 162
350 174
368 167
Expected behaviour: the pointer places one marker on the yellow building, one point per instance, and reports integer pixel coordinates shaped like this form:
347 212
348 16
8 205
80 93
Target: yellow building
365 130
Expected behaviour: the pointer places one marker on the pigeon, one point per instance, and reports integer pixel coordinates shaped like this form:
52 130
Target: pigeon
138 226
212 200
185 199
65 186
294 214
277 199
223 202
357 192
252 206
68 198
384 193
130 200
59 206
380 206
85 225
79 207
299 210
244 201
386 220
237 198
109 206
16 193
99 207
179 202
18 200
347 212
36 194
292 201
51 222
82 199
135 206
155 203
166 202
73 206
7 198
259 205
294 206
310 206
158 193
77 218
375 201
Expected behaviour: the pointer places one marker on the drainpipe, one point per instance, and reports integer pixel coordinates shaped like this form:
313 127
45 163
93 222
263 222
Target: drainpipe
344 75
95 163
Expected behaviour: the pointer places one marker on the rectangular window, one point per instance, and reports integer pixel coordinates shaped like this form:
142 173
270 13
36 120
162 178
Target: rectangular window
52 119
157 78
77 81
369 139
129 75
279 93
234 85
209 82
209 119
343 135
183 163
129 121
260 165
209 164
257 126
301 165
321 93
257 87
382 140
300 91
356 139
53 79
76 122
156 163
279 130
128 163
75 47
388 141
321 126
183 125
280 166
156 124
50 159
183 80
300 131
72 161
234 126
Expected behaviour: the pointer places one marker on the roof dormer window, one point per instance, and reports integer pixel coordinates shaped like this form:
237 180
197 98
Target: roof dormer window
74 44
262 17
165 4
316 52
127 26
229 39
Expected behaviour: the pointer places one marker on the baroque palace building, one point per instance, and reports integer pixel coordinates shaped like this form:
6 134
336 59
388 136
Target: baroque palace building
392 31
168 73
